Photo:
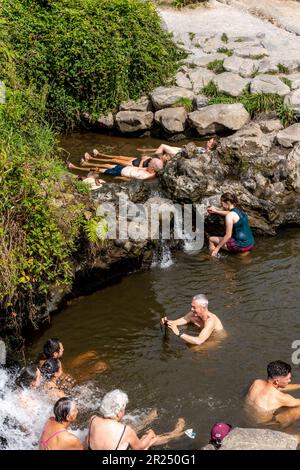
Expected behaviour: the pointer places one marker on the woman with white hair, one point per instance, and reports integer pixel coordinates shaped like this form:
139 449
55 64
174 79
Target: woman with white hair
107 432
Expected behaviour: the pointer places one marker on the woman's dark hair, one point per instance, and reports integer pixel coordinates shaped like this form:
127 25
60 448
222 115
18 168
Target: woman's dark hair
51 346
62 409
49 368
229 197
26 376
278 369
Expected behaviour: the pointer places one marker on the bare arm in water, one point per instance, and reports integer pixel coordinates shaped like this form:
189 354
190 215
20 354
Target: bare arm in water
198 340
179 322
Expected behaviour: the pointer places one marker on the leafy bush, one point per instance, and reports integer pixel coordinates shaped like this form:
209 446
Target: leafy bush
186 103
225 50
216 66
184 3
91 54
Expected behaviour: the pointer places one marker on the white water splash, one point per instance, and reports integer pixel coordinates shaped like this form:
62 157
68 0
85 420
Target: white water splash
163 257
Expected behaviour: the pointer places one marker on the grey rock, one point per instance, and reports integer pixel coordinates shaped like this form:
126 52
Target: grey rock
269 84
289 136
200 101
267 65
207 59
231 83
293 100
295 80
251 51
270 125
293 169
143 104
183 81
246 144
200 77
258 439
106 121
172 120
133 121
164 97
241 66
217 117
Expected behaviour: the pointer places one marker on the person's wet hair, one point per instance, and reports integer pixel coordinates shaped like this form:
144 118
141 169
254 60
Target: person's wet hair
229 198
278 369
27 376
49 368
112 403
63 408
51 346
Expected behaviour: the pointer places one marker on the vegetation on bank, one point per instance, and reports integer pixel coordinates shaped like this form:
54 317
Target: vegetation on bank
253 102
57 59
90 54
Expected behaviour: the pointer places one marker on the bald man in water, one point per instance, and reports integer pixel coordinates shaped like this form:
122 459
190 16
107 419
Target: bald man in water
199 314
269 395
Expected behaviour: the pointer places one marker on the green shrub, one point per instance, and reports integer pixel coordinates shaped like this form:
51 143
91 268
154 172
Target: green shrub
91 54
282 68
224 38
286 81
225 50
186 103
216 66
184 3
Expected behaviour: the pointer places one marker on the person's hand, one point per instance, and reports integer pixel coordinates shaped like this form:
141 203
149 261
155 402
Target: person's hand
173 327
215 252
212 210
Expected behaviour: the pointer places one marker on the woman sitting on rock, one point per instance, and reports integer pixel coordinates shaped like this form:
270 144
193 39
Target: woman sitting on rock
238 237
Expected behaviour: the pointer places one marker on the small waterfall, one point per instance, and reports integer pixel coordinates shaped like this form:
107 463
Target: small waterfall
162 257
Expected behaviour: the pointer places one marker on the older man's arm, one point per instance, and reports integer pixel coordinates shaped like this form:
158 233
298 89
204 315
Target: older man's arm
197 340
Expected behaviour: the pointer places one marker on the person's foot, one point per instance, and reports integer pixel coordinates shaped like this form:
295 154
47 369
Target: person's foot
180 425
87 156
71 166
96 153
83 162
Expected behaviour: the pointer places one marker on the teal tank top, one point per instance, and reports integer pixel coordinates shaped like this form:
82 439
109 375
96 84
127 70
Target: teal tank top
241 231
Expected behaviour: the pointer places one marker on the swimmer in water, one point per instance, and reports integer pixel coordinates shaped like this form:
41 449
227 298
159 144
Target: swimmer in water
52 371
267 396
55 435
207 321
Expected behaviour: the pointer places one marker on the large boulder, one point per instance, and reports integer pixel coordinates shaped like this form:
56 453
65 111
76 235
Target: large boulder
134 121
164 97
231 83
289 136
257 439
172 120
106 121
200 78
269 84
219 116
143 104
293 100
241 66
247 144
